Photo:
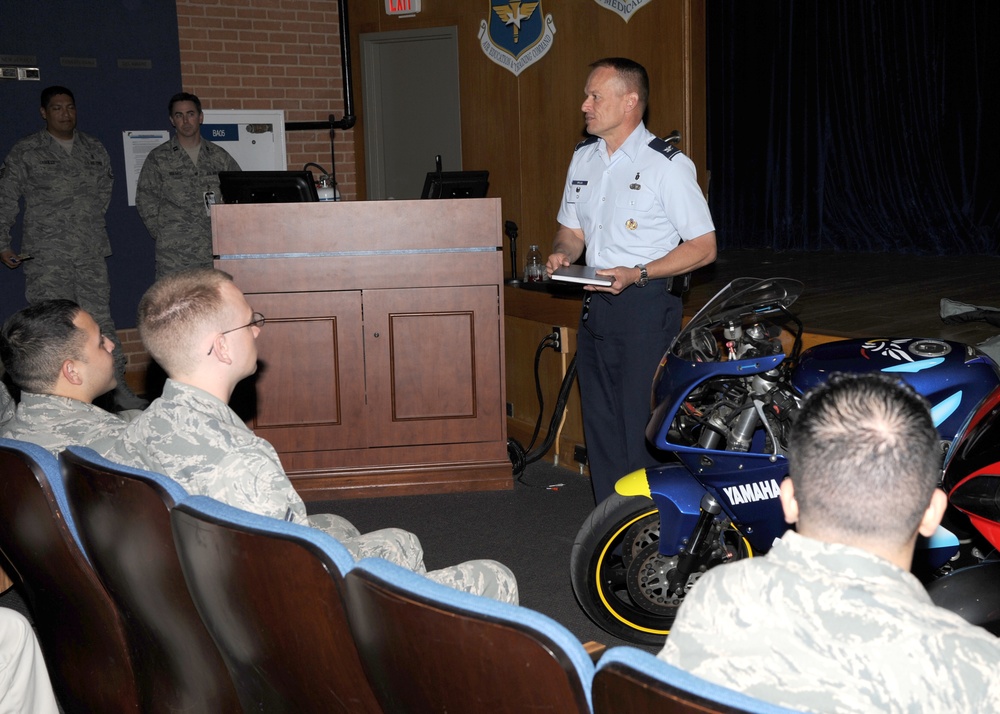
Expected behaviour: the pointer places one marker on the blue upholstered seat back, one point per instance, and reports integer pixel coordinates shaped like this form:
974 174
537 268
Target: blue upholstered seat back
203 505
53 474
174 489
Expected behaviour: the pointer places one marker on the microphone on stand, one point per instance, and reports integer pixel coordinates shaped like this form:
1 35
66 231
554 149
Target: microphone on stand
510 230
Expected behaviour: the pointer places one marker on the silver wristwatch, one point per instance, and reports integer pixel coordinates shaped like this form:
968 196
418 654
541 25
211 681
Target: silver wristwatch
643 276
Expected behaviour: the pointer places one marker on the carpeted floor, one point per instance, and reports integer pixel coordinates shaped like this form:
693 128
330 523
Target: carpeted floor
530 529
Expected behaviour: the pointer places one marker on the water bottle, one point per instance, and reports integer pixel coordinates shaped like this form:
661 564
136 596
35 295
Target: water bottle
534 269
327 190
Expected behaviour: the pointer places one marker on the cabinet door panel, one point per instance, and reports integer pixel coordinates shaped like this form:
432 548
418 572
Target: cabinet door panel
310 388
433 365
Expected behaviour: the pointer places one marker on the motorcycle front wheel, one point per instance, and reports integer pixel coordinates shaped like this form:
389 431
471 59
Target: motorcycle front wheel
599 565
618 574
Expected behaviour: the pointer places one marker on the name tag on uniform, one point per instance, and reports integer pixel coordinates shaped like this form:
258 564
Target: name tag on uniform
578 190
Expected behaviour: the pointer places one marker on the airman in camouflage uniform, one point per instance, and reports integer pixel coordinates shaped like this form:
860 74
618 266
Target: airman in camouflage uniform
178 182
199 327
830 620
55 352
6 406
55 422
65 179
201 443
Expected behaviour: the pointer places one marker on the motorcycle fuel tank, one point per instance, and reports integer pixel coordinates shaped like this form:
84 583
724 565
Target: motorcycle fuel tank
952 376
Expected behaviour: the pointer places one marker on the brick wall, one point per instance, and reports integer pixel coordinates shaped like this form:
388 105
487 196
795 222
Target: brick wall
264 54
138 359
271 54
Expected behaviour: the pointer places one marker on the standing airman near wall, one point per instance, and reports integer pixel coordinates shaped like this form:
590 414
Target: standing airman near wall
65 179
177 186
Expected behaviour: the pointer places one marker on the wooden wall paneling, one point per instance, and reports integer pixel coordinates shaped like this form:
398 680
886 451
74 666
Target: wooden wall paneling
363 17
521 394
523 129
695 91
531 316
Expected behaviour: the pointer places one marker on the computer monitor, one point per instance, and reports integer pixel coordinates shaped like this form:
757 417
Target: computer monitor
456 184
267 186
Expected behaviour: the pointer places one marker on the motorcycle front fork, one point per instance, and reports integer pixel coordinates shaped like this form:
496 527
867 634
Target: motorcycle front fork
693 556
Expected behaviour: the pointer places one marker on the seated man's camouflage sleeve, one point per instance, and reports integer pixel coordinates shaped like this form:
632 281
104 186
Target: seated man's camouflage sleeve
251 479
6 406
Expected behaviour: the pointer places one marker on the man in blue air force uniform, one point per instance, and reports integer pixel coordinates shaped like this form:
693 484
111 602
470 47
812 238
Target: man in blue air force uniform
631 203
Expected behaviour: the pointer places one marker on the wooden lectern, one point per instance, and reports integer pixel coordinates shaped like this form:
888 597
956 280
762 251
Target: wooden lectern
381 361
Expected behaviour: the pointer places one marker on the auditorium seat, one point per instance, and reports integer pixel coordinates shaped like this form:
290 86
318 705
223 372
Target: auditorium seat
430 648
271 594
79 626
634 681
123 517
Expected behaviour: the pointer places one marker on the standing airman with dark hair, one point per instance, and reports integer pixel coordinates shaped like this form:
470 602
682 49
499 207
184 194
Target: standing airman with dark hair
65 179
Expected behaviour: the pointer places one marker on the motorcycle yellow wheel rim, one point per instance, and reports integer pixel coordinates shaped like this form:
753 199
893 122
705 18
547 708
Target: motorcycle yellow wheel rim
604 554
597 576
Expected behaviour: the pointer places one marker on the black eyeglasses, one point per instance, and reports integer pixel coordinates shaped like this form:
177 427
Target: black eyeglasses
256 321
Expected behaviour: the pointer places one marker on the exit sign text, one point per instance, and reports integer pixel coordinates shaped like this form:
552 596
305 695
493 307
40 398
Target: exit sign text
402 7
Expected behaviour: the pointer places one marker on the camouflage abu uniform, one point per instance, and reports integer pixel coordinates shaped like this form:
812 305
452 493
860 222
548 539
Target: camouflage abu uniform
65 197
830 628
55 422
197 440
6 406
170 197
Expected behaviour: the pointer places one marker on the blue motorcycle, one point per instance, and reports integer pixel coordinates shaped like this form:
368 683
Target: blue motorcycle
724 398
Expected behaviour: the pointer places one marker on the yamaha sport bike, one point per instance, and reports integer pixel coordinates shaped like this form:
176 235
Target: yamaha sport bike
724 398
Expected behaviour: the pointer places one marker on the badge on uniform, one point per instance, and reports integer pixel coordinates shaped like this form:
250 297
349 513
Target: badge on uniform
631 224
578 186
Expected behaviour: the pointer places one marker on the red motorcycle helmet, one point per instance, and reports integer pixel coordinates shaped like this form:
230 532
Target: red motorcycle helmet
972 469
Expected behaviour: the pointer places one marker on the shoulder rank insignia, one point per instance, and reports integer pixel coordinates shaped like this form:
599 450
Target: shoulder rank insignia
665 148
586 142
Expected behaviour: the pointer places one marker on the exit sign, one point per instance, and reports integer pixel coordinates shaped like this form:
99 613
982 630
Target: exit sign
402 7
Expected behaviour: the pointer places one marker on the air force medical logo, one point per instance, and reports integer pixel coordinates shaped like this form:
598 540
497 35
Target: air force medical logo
624 8
516 34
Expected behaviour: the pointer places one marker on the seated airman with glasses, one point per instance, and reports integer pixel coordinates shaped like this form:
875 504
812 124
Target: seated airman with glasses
199 327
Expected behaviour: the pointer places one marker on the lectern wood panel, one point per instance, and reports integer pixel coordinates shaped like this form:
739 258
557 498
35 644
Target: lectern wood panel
433 358
311 386
381 359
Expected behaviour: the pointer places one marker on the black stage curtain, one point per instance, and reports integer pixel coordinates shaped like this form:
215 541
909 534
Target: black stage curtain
855 125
